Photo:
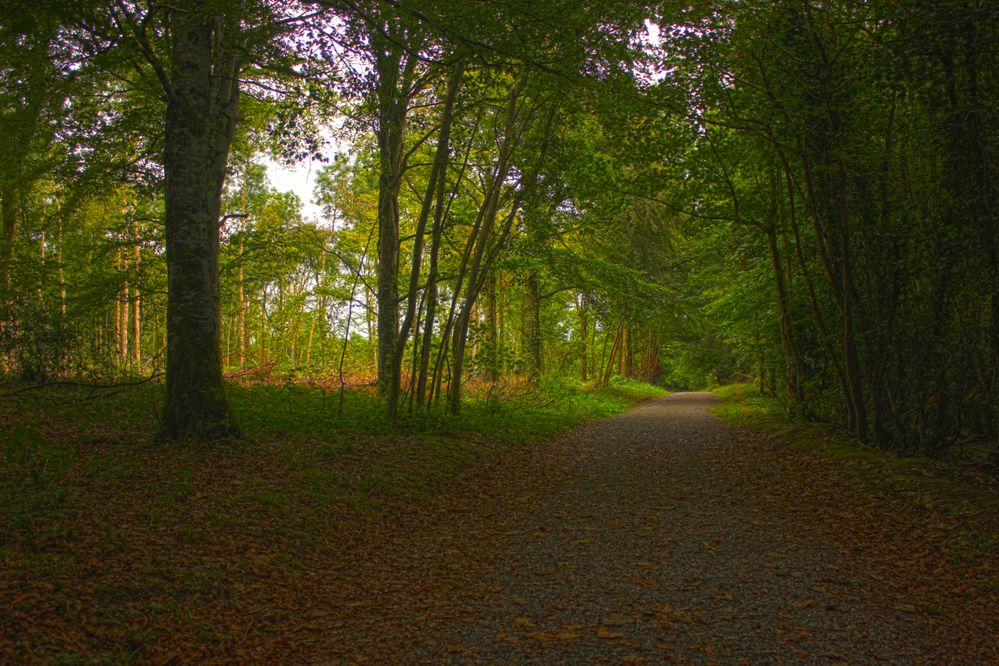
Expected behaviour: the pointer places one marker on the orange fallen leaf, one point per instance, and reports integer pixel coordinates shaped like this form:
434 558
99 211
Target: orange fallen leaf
605 633
616 620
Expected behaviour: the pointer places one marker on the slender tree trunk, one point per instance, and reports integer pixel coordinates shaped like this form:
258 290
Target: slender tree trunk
652 362
123 311
584 326
437 172
392 98
532 325
134 299
794 370
8 213
370 325
594 367
320 306
850 354
431 297
500 324
629 364
820 321
262 344
430 382
481 236
241 327
615 346
201 115
619 357
490 329
62 273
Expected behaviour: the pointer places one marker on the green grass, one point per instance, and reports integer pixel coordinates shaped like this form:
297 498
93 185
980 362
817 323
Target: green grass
555 407
521 414
95 513
67 443
744 405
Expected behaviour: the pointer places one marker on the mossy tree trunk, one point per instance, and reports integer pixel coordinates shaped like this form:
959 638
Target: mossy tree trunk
202 108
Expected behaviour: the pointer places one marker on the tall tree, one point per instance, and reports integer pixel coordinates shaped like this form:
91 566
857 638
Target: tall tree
201 115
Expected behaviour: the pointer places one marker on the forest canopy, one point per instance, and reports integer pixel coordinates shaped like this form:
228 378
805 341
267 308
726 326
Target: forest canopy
800 193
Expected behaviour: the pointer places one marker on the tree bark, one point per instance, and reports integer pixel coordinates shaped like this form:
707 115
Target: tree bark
794 371
629 364
532 325
584 327
201 115
134 299
437 172
615 346
392 98
490 329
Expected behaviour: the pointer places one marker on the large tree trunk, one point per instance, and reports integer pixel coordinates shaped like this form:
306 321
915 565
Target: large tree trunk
201 115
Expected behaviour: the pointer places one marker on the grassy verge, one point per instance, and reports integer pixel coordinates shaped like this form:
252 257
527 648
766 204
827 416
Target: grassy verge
945 489
62 446
112 547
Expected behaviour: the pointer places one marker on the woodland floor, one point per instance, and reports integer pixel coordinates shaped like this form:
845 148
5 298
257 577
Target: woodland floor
659 535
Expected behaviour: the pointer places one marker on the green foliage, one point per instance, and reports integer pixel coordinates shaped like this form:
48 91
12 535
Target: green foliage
744 404
534 414
800 194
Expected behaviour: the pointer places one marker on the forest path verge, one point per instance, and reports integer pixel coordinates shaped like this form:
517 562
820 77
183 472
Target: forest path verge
663 534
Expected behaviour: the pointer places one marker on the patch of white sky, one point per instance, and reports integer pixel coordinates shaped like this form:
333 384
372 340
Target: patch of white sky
649 70
300 178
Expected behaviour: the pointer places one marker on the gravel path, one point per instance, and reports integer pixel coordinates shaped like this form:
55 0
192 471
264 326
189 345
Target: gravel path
638 540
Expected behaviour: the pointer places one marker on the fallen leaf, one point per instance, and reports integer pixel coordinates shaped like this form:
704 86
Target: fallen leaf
603 632
616 620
